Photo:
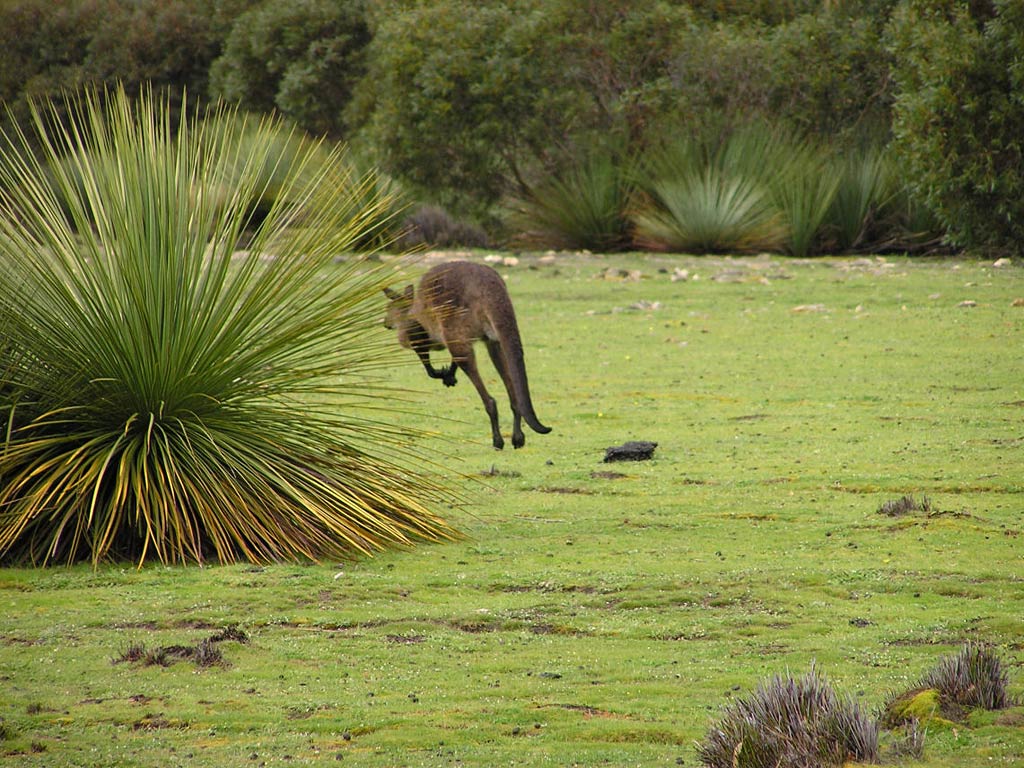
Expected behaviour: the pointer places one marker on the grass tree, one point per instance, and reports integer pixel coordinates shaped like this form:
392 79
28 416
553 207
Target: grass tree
866 185
167 397
794 169
701 198
583 207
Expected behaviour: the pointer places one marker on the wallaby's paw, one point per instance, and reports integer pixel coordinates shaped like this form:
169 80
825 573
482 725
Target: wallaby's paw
448 376
518 441
499 444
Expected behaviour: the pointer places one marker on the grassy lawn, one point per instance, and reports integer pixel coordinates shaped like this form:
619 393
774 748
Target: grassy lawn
602 614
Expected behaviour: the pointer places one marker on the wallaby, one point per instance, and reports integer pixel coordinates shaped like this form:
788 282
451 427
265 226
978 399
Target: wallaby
457 304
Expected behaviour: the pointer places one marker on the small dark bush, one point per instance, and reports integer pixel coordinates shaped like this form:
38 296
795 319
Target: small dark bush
904 506
168 655
230 632
972 677
207 654
791 723
134 652
434 227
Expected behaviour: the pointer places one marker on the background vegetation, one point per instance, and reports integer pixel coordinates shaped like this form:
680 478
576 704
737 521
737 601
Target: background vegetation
475 106
604 613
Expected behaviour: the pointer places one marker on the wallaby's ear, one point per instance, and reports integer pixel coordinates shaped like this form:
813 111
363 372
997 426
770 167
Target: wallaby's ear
391 294
408 292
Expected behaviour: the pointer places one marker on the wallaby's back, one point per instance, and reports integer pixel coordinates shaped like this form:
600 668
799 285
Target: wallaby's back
463 301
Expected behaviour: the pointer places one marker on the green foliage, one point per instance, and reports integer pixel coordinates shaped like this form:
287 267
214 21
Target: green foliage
471 101
720 83
450 102
709 212
791 722
621 56
803 189
51 48
302 59
467 105
873 209
824 73
958 114
767 11
166 398
43 45
865 185
766 188
828 75
758 189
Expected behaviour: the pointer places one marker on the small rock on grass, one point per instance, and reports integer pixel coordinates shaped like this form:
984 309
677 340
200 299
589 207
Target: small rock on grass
634 450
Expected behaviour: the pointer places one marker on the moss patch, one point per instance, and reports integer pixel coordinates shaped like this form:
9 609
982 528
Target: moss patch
924 705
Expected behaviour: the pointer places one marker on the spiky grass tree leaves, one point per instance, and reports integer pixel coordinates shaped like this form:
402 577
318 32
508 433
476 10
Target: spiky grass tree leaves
584 207
705 198
168 397
709 212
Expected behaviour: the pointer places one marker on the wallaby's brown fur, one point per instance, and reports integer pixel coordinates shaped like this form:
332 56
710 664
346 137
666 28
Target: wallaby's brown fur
457 304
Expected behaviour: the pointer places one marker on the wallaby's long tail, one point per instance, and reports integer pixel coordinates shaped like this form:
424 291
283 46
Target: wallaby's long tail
516 366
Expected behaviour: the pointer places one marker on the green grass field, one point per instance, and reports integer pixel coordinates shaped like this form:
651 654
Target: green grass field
602 614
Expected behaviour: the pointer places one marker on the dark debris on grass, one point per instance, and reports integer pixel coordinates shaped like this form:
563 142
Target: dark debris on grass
206 653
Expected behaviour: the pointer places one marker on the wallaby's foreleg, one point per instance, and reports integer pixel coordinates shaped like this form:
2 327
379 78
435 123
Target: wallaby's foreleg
494 348
446 374
464 357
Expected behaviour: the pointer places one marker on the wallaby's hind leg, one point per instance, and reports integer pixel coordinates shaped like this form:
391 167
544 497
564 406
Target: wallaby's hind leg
463 356
494 348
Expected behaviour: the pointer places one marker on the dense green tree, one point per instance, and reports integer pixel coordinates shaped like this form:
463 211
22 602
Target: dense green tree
829 74
468 101
301 59
958 115
45 46
452 93
54 47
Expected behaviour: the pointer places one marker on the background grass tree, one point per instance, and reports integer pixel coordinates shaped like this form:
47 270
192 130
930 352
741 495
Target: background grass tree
167 398
584 207
700 197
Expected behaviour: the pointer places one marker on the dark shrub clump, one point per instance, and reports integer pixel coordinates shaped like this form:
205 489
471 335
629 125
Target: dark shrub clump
434 227
972 677
791 723
904 506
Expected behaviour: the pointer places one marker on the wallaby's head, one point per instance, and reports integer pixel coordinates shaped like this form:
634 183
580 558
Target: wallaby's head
398 307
